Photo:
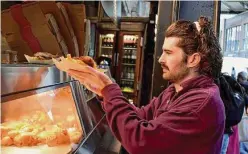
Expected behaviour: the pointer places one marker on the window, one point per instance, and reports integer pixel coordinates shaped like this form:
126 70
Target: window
245 37
135 8
228 39
237 39
232 39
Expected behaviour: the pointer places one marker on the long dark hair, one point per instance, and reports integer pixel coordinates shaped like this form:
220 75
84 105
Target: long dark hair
204 42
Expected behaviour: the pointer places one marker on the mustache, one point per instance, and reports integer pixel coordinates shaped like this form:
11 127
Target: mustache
165 67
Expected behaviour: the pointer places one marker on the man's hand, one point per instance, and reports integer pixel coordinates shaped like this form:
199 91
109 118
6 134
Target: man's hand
91 78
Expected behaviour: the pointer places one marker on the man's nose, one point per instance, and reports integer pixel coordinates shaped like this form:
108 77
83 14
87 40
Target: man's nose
161 60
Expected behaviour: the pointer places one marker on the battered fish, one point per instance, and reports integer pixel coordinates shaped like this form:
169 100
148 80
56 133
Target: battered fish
25 139
6 141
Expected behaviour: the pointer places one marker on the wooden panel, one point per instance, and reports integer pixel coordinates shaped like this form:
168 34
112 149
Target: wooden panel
132 26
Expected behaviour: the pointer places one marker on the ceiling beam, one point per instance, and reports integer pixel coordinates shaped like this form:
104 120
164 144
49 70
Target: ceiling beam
227 5
245 5
231 12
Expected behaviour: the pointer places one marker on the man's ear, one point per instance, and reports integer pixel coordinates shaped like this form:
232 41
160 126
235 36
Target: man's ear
194 60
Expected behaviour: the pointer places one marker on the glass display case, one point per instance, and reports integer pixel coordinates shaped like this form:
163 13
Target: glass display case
45 111
45 120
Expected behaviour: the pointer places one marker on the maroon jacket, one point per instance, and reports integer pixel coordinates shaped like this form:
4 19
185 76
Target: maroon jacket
189 122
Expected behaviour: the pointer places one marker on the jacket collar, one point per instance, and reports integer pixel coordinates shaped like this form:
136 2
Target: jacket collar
200 81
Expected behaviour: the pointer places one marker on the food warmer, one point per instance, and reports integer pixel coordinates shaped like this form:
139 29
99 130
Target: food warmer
45 111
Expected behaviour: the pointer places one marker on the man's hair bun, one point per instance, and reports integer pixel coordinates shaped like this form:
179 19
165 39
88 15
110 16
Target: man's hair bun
204 22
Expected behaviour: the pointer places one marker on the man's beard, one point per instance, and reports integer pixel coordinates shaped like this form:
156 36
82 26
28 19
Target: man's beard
176 75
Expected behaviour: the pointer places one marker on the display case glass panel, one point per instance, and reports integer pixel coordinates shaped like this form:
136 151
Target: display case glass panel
45 120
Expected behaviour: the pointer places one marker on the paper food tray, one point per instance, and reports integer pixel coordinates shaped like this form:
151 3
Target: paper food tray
69 26
65 65
37 61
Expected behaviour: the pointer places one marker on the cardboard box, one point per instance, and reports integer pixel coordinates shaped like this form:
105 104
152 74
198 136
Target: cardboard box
76 13
35 15
16 43
67 20
51 7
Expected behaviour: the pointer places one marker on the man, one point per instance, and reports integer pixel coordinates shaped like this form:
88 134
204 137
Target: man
187 117
242 79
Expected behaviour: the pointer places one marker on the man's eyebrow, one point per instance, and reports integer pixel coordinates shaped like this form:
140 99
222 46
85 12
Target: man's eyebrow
166 50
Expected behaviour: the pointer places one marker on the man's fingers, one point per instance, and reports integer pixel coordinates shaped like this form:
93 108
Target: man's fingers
87 81
84 77
91 76
86 69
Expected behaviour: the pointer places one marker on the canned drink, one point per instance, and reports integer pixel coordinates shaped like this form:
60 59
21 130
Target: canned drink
5 57
12 56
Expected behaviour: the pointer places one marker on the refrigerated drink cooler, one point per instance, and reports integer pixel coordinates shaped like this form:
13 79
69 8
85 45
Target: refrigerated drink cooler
129 65
106 55
121 51
106 45
45 111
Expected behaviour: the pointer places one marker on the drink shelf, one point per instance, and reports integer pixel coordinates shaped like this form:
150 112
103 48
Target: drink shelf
107 47
132 80
128 64
125 48
128 92
108 56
